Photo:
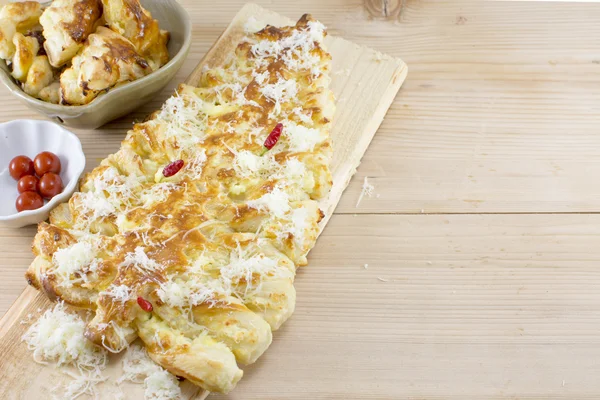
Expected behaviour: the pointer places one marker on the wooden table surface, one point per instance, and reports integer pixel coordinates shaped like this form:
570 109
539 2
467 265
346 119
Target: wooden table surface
483 238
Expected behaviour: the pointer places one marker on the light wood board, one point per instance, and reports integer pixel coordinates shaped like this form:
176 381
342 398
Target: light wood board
522 320
368 79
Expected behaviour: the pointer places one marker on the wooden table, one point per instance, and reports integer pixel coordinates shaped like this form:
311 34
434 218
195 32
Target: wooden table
483 239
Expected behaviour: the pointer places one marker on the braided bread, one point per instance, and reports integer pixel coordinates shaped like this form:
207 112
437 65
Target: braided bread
190 235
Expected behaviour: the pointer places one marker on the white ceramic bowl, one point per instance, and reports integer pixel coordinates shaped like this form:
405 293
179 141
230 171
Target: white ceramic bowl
30 137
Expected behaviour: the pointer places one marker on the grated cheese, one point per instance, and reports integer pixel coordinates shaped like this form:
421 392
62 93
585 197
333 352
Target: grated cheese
187 293
244 266
139 260
279 92
277 202
159 384
367 189
195 166
299 112
301 138
297 226
120 293
109 191
58 336
295 50
184 118
77 258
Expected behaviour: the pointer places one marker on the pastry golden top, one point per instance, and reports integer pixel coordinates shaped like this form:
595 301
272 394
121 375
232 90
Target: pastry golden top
90 46
214 247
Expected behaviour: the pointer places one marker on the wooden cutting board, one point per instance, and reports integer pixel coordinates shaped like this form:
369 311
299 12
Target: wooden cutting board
364 82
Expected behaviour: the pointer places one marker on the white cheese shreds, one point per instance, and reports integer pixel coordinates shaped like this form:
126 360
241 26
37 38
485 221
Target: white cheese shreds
367 189
195 165
277 202
184 118
139 260
120 293
187 292
297 226
279 92
158 383
296 50
78 258
107 193
121 332
302 116
244 267
157 193
261 78
301 138
58 336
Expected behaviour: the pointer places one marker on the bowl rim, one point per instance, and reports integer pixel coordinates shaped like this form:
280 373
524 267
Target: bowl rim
75 110
71 186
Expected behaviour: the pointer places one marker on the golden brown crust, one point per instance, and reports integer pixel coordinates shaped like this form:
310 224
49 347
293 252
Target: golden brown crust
25 15
213 246
135 23
66 25
106 60
87 13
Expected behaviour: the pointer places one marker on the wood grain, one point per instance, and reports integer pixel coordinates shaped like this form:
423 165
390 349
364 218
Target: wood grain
371 83
474 307
498 115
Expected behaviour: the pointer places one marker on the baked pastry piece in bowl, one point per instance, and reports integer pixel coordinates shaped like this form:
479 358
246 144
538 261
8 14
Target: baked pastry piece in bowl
97 68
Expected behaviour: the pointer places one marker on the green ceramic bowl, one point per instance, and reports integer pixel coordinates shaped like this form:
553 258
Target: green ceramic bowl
124 99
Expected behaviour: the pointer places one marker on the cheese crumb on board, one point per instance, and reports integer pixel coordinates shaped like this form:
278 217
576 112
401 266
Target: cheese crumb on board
159 384
58 336
367 189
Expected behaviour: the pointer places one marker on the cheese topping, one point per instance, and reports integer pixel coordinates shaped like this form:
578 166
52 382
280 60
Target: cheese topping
279 92
120 293
277 202
301 138
58 336
158 383
245 267
78 258
139 260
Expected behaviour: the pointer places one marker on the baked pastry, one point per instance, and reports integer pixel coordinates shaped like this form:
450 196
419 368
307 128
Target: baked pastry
25 15
135 23
26 48
7 32
39 76
72 32
106 60
190 235
67 24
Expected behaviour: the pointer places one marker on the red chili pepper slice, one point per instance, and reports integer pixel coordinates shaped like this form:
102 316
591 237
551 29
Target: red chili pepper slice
144 304
173 168
273 138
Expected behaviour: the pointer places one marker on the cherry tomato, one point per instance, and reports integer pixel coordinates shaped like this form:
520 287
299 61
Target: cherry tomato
50 185
28 183
21 166
29 201
46 162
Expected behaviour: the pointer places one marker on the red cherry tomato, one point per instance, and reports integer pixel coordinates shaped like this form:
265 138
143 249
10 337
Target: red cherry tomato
50 185
46 162
29 201
28 183
20 166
